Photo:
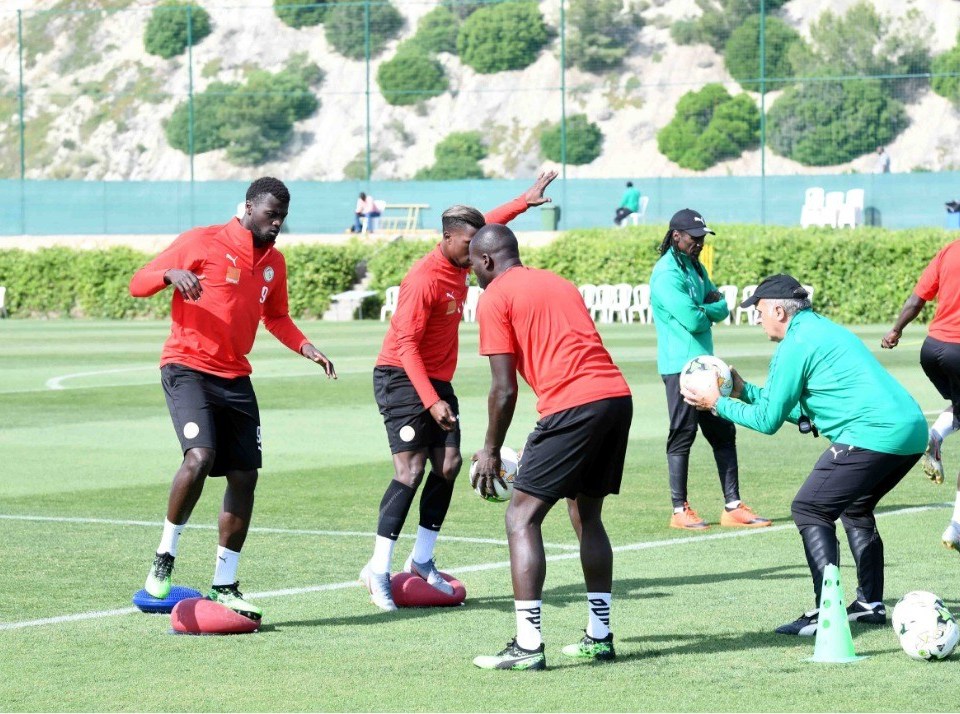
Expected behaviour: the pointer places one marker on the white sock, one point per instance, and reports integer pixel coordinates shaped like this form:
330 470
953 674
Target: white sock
528 623
734 504
943 426
170 537
226 570
423 547
382 555
598 605
956 509
678 509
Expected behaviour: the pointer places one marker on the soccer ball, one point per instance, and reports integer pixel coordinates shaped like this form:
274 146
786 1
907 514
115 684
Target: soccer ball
925 627
701 370
509 463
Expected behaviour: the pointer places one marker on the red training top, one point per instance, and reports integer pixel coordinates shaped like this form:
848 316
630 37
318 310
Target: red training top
423 336
241 286
540 318
941 280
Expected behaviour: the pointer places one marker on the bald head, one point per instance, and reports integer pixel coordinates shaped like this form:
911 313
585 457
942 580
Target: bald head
493 250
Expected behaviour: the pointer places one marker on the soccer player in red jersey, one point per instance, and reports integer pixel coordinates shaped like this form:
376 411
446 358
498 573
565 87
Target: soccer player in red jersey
226 279
411 383
534 322
940 359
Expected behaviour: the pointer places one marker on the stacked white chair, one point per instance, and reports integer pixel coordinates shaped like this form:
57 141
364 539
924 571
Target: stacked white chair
751 313
729 293
851 212
390 303
812 207
641 304
589 294
470 306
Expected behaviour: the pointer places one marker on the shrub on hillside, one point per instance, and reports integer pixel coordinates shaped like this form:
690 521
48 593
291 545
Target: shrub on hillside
345 26
300 13
457 157
602 33
411 76
437 30
253 121
170 25
948 66
742 52
717 21
710 126
502 37
584 141
828 123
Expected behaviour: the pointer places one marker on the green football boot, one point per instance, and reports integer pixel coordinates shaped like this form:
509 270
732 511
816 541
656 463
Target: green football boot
158 579
230 596
591 649
514 657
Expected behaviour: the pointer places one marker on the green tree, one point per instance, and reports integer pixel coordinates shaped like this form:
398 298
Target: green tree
602 33
717 21
947 66
710 126
437 30
167 29
301 13
742 52
345 26
457 157
502 37
584 141
411 76
828 123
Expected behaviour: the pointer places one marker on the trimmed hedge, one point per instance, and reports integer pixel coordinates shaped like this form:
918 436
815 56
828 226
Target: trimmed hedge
65 282
860 276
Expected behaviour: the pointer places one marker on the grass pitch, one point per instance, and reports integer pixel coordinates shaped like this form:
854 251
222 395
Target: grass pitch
87 453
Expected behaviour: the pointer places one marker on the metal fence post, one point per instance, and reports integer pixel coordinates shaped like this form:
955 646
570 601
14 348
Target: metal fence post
20 102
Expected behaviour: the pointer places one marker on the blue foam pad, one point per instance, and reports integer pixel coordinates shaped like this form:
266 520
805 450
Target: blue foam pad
148 603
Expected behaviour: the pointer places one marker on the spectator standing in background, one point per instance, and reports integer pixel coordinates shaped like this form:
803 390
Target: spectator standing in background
883 161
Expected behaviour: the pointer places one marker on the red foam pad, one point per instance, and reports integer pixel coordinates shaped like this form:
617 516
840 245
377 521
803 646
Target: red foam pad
199 616
412 591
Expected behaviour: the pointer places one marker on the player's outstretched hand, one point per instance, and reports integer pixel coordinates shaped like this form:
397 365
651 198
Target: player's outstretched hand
890 340
484 471
315 355
702 398
534 195
443 415
186 282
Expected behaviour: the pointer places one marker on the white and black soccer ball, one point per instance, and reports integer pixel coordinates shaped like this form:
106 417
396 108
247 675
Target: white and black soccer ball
509 464
706 368
925 627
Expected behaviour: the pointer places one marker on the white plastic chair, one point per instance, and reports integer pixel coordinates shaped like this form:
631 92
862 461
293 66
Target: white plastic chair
589 294
812 207
729 293
470 306
832 203
620 299
635 218
851 212
641 304
809 289
392 294
750 312
3 302
606 294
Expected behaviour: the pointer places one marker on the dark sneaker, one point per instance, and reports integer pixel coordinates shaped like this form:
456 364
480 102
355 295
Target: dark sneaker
514 657
428 571
861 612
589 648
158 579
230 596
804 626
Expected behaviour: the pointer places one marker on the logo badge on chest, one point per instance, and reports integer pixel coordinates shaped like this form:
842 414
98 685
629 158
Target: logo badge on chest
233 274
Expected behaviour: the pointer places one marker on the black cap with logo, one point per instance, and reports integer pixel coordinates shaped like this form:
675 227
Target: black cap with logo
690 222
779 286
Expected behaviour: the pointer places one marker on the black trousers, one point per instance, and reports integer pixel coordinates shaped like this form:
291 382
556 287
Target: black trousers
941 363
719 433
847 482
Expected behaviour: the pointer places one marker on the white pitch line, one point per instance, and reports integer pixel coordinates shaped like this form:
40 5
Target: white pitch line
276 531
454 571
57 382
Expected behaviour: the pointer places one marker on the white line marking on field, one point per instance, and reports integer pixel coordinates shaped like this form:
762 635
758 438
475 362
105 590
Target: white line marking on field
57 382
276 531
453 571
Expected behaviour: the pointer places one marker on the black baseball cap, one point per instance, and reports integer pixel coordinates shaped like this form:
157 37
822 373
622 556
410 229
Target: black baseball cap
779 286
690 222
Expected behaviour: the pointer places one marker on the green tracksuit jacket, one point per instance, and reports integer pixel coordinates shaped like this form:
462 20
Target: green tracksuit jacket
682 319
827 372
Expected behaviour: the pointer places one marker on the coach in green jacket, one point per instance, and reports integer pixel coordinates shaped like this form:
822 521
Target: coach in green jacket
685 304
824 379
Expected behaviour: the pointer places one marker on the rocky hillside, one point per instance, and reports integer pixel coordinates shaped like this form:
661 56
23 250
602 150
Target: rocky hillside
96 102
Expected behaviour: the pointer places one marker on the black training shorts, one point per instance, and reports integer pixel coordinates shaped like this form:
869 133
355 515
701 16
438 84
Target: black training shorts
578 450
213 412
941 363
409 426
